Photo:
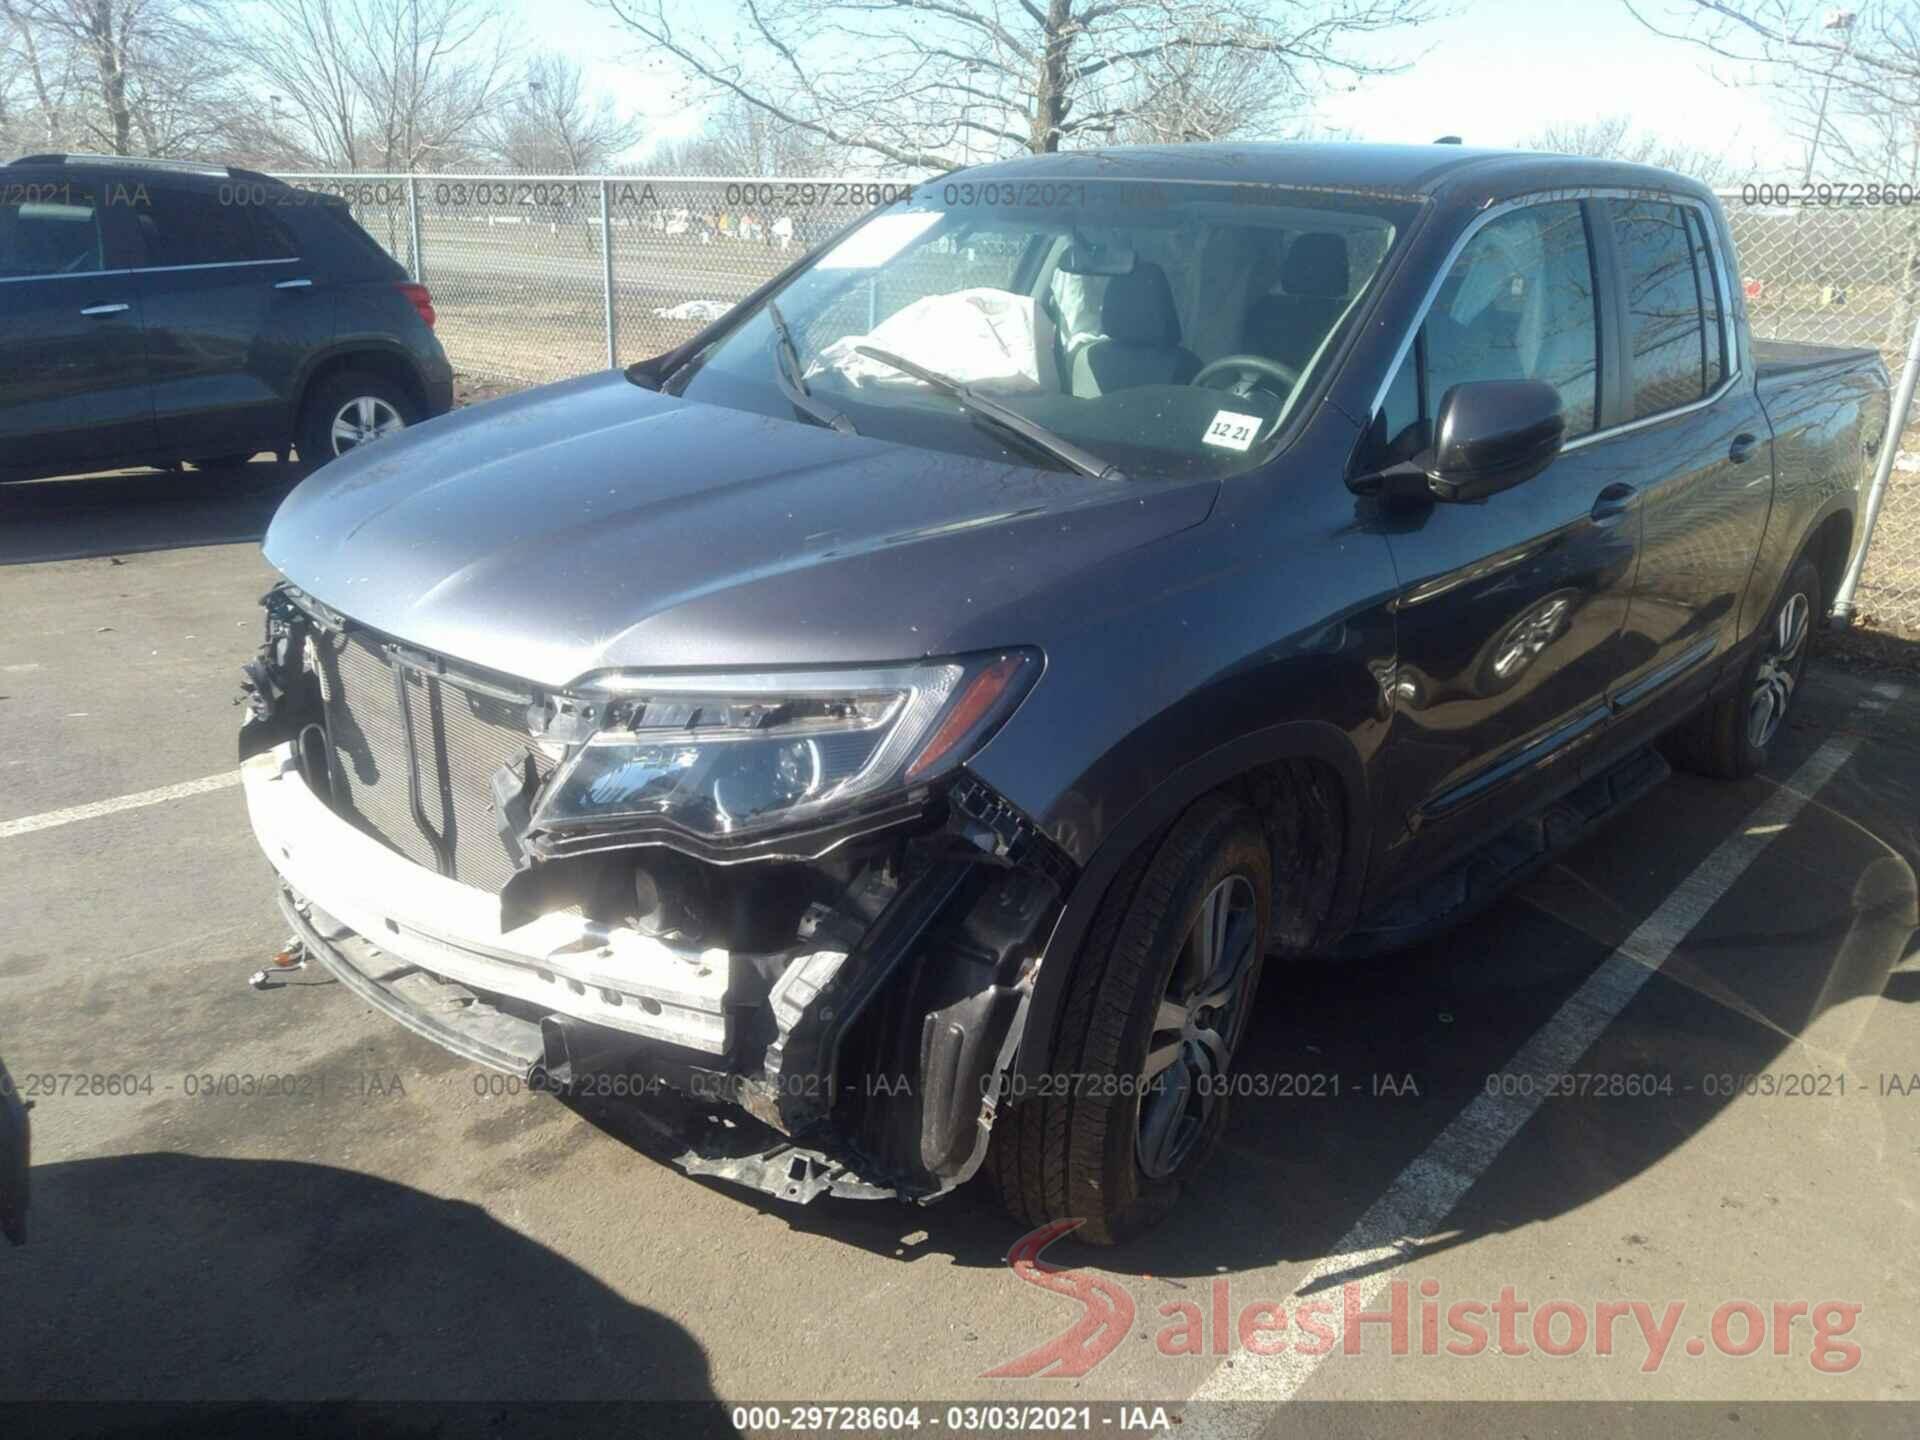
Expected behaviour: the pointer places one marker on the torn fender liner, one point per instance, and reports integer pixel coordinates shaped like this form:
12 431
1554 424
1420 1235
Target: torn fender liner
737 1149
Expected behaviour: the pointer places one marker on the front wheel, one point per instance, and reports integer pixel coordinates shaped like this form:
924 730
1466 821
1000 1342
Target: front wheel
1159 999
1729 739
349 411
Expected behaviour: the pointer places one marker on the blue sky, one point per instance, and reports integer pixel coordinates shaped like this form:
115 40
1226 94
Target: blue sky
1492 74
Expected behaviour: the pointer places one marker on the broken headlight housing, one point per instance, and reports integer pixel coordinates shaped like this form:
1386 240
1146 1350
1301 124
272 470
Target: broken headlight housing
729 755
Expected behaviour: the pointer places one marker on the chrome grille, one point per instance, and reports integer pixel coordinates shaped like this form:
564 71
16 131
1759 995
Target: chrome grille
458 737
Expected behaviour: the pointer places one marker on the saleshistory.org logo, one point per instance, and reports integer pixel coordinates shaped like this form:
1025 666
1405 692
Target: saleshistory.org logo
1106 1311
1411 1317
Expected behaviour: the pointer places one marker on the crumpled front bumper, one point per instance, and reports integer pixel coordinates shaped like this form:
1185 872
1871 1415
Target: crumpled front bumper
408 916
409 942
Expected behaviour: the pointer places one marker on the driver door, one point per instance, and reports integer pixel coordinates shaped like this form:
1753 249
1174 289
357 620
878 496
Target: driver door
1511 611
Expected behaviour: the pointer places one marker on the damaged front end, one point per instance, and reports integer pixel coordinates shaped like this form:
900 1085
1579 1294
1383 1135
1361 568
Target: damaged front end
778 891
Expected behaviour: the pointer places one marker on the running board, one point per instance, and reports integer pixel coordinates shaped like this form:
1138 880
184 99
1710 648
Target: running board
1472 884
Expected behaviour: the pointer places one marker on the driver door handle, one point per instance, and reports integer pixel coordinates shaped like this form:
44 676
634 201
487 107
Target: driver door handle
1742 448
1613 502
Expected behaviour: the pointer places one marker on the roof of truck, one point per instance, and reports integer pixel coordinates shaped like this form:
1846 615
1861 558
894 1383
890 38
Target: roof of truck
1414 171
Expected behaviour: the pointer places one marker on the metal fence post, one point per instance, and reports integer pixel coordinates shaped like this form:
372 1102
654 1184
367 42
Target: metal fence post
413 229
1889 447
606 271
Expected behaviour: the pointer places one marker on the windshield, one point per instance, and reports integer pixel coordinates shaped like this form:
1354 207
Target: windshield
1165 329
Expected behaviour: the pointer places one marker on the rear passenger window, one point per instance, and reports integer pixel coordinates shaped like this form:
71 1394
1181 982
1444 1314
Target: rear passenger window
272 239
50 229
192 227
1666 327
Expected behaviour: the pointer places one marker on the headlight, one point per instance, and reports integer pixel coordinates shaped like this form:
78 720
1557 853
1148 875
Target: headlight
737 754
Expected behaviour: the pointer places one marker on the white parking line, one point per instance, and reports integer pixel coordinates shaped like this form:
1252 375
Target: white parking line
1418 1202
47 820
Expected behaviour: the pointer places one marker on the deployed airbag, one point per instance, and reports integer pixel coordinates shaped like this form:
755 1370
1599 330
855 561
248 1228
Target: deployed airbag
980 337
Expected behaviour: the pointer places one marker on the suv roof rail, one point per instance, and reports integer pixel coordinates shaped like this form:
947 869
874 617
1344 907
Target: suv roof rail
129 162
241 172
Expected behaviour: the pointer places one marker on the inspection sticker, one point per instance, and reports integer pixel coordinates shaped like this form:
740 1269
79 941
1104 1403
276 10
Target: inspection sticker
1235 432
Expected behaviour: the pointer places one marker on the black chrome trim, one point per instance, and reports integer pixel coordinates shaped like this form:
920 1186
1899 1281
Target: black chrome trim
1526 758
1665 674
1730 339
442 844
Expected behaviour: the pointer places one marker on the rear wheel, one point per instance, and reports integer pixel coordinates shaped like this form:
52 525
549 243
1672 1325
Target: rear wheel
1158 1001
1730 738
351 410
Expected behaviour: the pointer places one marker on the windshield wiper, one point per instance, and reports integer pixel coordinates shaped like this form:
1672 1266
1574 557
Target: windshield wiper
1006 417
794 385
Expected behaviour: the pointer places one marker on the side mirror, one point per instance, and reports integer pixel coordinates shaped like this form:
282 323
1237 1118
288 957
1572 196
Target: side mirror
1493 434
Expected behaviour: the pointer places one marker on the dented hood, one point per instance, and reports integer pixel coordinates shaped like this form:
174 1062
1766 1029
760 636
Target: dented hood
595 524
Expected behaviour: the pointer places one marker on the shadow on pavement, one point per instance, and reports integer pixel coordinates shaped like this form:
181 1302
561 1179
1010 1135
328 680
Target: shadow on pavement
170 1277
1375 1059
128 511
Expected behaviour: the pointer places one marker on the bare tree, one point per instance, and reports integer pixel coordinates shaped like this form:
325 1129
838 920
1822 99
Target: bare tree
90 62
551 125
1613 137
374 84
1847 80
743 139
49 82
1200 93
927 83
1848 83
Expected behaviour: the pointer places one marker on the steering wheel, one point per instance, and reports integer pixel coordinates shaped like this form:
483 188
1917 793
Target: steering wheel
1258 365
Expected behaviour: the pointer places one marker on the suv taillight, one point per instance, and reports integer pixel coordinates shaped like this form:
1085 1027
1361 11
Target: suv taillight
422 301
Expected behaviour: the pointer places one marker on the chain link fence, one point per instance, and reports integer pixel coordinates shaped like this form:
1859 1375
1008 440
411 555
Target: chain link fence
1846 275
536 278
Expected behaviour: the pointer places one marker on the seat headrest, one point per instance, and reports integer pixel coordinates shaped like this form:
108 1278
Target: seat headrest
1316 264
1138 307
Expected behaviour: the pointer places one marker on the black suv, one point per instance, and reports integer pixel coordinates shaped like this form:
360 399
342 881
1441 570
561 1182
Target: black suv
154 312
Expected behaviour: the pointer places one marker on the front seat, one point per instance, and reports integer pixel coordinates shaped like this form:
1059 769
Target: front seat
1142 341
1288 326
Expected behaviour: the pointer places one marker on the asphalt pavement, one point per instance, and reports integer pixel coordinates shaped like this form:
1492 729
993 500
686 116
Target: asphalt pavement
1679 1068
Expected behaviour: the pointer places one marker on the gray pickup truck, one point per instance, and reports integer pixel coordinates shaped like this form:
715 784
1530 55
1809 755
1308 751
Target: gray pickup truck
912 711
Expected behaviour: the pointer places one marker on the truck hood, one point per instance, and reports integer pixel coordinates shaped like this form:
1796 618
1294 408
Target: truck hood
595 524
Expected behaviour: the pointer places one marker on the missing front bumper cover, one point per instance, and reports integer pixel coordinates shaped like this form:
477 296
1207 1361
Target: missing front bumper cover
678 1128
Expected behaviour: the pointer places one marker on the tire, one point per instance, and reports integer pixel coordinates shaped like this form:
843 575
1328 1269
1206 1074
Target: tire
370 397
1729 739
224 463
1096 1143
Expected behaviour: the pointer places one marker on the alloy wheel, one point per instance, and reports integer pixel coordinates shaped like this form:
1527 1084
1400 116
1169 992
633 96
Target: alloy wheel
361 421
1779 670
1196 1026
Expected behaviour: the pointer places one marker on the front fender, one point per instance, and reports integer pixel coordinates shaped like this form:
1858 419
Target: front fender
1291 740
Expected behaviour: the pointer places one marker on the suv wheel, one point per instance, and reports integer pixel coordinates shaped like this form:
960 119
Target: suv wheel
349 410
1729 739
1159 1000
